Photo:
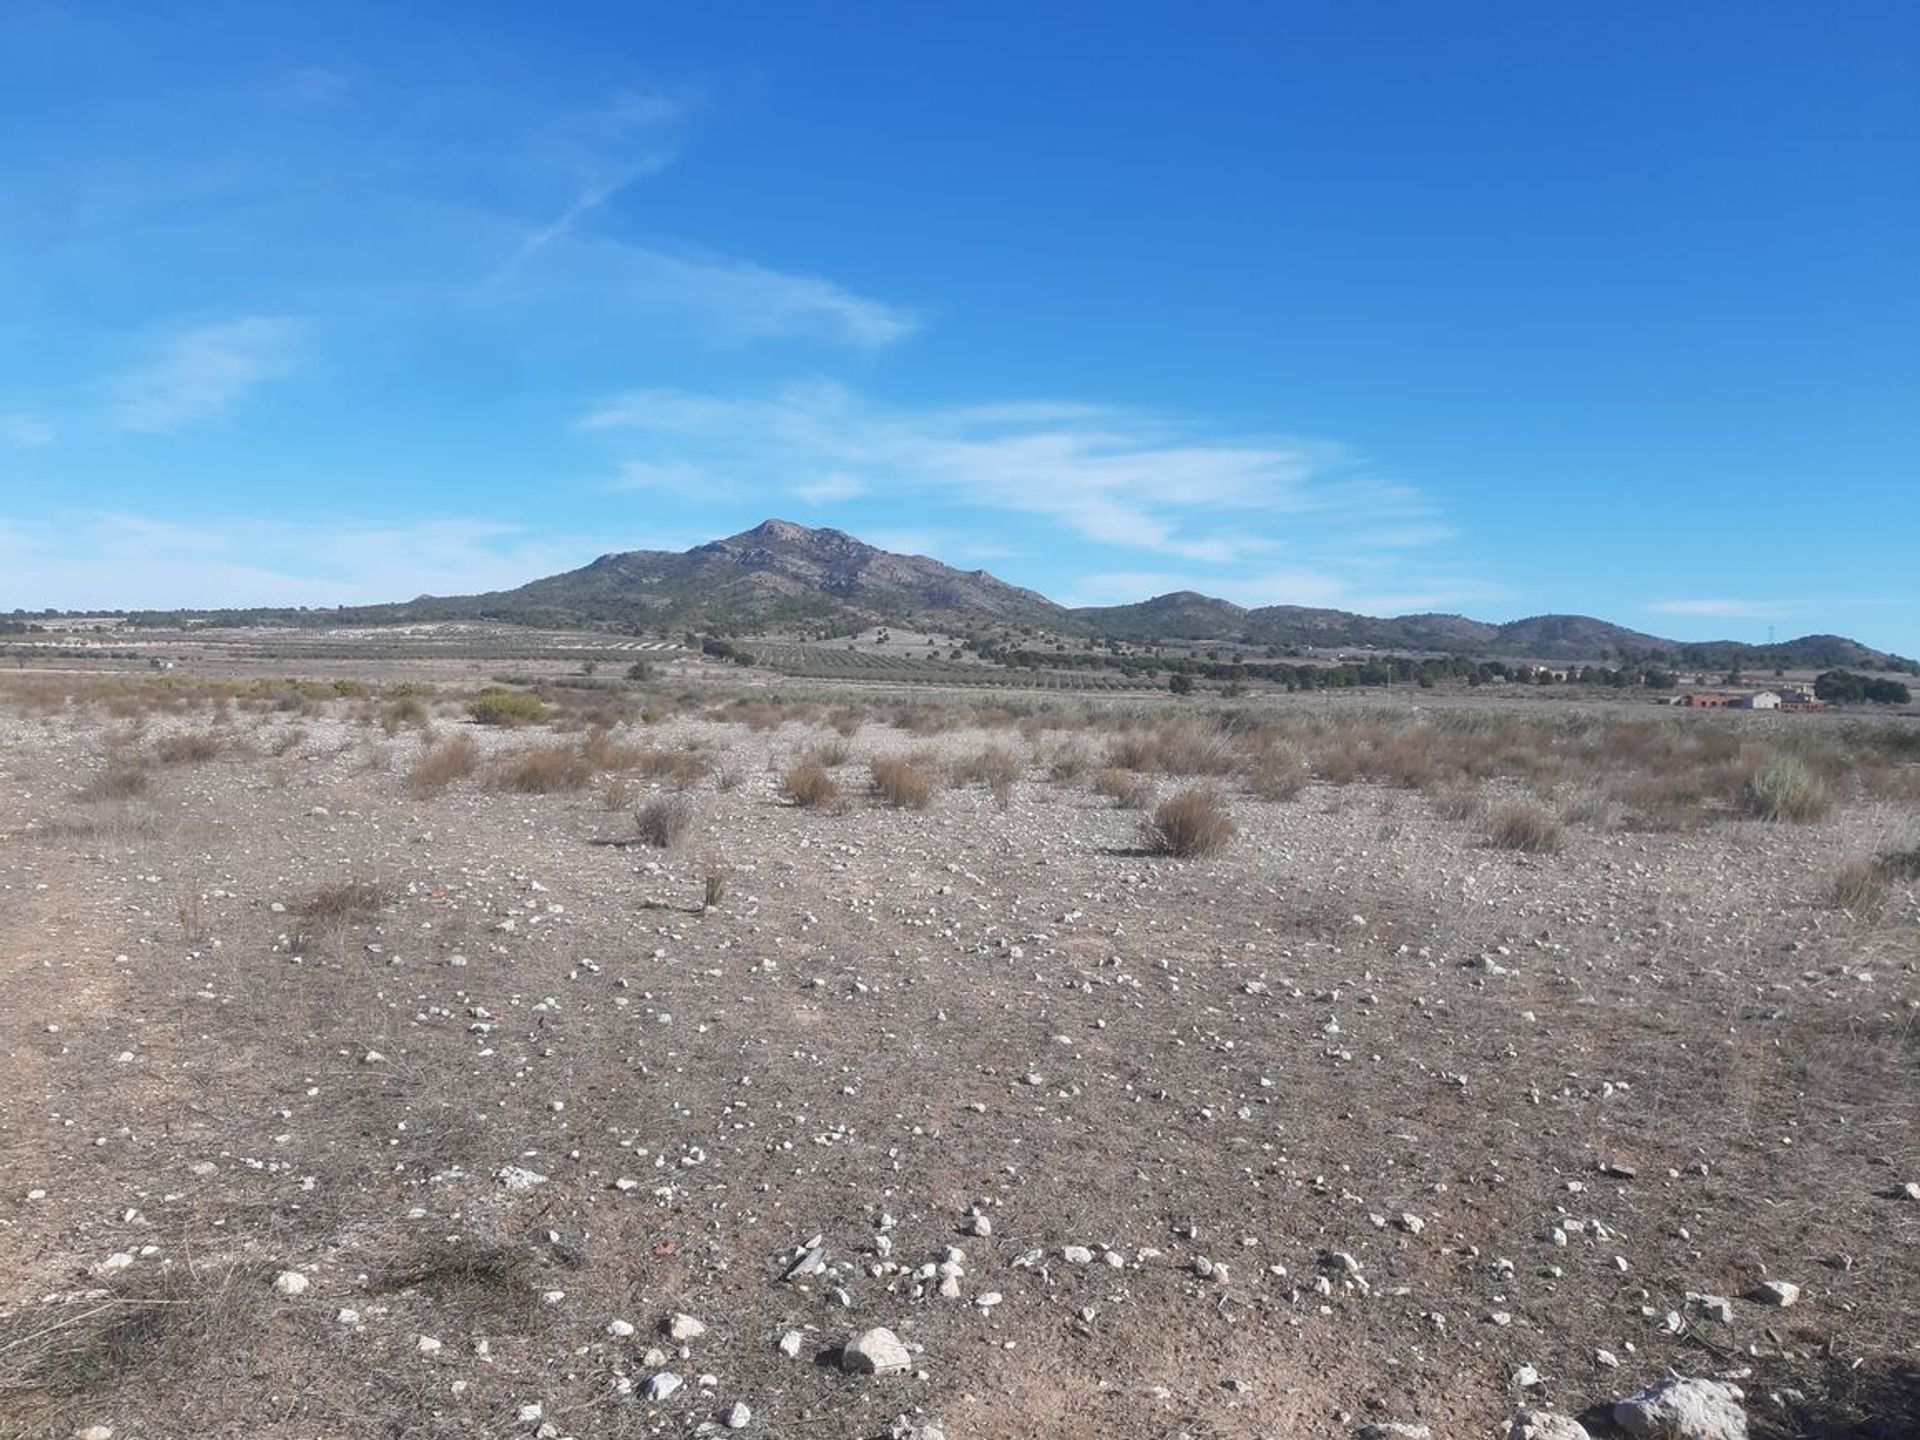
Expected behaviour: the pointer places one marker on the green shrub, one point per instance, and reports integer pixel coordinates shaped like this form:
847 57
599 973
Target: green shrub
1785 789
511 708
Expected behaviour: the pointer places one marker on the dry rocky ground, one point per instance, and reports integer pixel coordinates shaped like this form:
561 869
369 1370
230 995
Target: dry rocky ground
335 1105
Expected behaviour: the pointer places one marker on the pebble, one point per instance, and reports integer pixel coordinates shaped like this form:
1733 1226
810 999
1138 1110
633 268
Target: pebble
659 1387
684 1328
1777 1292
736 1416
1546 1425
291 1282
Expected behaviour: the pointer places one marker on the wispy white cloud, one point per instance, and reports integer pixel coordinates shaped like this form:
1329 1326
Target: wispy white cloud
125 561
202 372
26 431
830 489
1724 609
1125 479
1321 588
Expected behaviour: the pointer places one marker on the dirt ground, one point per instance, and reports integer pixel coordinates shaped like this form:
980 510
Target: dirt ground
1361 1120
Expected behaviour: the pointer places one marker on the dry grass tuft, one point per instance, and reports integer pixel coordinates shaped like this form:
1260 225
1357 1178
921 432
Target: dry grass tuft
442 764
1127 790
1190 824
664 821
899 781
1526 828
546 770
996 767
119 781
1277 773
348 901
1861 884
191 749
830 754
810 786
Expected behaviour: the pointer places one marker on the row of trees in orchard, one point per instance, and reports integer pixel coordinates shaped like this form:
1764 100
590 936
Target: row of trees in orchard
1380 670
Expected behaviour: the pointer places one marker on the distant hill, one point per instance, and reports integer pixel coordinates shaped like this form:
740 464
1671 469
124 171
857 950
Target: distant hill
780 576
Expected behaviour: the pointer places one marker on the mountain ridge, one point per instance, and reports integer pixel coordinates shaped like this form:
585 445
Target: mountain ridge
781 576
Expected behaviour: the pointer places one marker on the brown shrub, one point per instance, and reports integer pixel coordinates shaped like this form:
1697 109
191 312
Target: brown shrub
678 767
442 764
1127 790
353 899
811 787
1526 828
898 781
1861 884
1190 824
546 770
119 781
192 749
996 767
828 753
1277 773
663 822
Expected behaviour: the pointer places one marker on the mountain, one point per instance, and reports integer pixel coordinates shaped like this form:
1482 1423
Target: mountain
781 576
777 575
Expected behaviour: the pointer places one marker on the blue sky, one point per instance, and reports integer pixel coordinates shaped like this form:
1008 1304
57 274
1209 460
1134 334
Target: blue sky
1499 308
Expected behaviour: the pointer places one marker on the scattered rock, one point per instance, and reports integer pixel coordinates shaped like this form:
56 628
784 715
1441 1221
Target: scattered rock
1683 1410
684 1328
1546 1425
875 1352
1777 1292
291 1282
659 1387
736 1416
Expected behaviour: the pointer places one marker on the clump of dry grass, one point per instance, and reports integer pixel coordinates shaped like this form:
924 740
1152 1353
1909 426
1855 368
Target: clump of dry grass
1277 772
1068 764
342 903
1784 789
195 748
442 764
664 821
545 770
119 781
811 786
899 781
828 753
1127 790
996 767
1190 825
1526 828
1861 884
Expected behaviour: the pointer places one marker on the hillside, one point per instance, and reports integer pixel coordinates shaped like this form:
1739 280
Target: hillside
783 577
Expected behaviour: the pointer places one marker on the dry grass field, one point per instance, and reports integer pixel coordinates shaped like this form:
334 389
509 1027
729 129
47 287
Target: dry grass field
388 1059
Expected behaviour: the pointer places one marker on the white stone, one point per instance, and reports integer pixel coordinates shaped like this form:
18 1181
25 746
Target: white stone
736 1416
659 1387
1683 1410
291 1282
684 1328
875 1352
1546 1425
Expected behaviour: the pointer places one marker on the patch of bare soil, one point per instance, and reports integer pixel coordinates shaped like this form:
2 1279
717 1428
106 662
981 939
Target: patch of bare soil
1360 1119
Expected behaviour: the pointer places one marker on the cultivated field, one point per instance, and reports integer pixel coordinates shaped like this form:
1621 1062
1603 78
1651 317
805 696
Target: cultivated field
1147 1069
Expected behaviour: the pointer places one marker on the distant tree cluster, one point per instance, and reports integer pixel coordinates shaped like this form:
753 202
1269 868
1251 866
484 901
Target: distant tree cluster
1382 670
1843 687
